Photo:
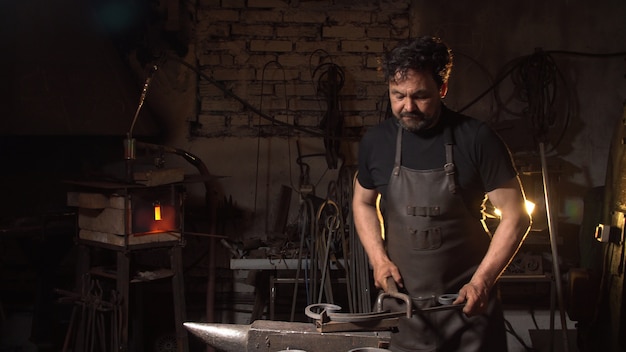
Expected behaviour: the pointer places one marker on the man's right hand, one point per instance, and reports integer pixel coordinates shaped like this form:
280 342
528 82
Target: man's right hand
384 270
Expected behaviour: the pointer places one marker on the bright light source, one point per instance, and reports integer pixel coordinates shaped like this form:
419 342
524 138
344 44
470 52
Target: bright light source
157 211
530 207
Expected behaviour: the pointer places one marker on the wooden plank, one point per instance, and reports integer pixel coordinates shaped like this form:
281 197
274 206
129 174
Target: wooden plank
107 220
116 240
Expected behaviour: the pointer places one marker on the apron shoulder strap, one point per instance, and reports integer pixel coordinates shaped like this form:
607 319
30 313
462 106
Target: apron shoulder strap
449 167
398 160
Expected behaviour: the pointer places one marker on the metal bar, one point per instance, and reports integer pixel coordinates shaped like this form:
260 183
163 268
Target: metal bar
553 245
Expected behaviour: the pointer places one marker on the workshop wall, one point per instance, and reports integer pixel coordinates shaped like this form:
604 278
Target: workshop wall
267 53
252 101
258 62
275 78
294 63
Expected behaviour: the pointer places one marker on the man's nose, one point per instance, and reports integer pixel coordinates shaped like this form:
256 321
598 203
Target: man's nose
410 105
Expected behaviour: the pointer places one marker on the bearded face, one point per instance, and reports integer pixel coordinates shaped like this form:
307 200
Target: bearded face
415 100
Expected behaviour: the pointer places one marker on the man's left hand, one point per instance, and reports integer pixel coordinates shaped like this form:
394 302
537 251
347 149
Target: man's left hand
476 298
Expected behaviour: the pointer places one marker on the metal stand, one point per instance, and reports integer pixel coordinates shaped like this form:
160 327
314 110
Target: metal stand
554 249
123 280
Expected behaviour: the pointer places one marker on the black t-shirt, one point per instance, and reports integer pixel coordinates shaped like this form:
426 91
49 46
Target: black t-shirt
482 160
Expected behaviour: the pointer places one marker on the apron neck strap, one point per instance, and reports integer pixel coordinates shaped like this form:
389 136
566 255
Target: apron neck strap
449 167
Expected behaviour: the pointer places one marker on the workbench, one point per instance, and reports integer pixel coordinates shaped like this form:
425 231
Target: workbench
274 265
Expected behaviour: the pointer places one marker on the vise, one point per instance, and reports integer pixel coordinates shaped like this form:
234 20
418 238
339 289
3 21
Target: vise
274 336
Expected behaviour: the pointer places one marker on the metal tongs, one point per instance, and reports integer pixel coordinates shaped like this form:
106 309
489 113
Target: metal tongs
328 317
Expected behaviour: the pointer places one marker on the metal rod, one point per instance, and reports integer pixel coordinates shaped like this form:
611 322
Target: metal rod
553 245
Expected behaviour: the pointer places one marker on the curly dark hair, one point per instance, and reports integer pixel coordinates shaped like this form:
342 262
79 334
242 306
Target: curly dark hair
423 53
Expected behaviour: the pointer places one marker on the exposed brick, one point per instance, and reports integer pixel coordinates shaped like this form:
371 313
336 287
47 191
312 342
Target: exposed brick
252 30
212 121
304 31
309 47
268 3
207 105
234 46
273 103
400 21
366 46
314 4
378 91
348 31
271 45
220 15
299 104
206 4
304 16
206 89
240 120
214 30
209 59
253 89
227 74
397 6
239 40
378 32
358 105
373 61
364 75
372 119
278 74
308 121
349 16
261 16
401 33
236 4
349 60
291 60
351 120
360 91
259 60
300 90
285 118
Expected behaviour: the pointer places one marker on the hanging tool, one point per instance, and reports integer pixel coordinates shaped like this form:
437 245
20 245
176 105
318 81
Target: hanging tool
331 80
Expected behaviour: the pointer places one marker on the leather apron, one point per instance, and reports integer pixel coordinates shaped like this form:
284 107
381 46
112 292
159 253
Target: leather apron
437 245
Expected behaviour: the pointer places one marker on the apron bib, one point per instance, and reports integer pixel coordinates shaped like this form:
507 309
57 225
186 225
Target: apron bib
437 245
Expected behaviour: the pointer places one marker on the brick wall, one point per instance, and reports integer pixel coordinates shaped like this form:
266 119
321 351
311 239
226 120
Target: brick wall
272 57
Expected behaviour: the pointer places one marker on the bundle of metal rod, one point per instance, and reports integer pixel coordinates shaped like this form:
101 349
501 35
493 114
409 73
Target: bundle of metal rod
306 228
87 330
359 264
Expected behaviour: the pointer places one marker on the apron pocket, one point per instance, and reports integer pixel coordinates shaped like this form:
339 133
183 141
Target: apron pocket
426 240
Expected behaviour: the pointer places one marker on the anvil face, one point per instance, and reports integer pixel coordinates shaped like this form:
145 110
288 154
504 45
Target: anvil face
275 336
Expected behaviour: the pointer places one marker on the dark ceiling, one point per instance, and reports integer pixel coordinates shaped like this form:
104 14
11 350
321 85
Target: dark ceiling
65 68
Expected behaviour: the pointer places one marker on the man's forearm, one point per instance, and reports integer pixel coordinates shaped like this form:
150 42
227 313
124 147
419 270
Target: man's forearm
369 231
504 245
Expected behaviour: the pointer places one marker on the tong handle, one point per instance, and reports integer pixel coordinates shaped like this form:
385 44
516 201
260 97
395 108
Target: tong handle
392 288
392 291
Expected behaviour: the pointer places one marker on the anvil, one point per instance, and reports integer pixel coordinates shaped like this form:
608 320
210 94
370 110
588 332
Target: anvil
274 336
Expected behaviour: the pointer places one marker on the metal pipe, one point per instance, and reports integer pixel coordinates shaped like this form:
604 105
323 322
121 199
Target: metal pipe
553 246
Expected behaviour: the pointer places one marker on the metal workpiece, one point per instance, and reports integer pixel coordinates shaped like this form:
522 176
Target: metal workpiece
274 336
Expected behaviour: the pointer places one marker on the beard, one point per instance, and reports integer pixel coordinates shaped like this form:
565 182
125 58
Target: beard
415 122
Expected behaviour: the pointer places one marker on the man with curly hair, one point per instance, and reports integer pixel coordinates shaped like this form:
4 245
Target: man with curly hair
434 169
